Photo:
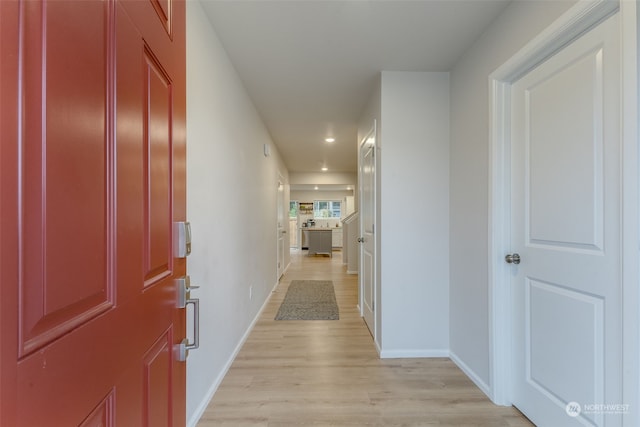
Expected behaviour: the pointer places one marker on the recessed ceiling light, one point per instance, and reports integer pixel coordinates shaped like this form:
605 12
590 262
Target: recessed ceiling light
324 169
330 139
348 188
315 188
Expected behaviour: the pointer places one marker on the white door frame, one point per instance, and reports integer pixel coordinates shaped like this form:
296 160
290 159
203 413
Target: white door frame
372 132
281 218
581 17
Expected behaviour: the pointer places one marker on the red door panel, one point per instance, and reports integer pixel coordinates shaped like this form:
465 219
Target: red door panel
64 209
157 383
157 130
163 9
102 415
92 174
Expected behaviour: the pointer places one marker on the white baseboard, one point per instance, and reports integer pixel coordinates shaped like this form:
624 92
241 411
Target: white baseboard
285 270
412 353
471 374
218 380
378 349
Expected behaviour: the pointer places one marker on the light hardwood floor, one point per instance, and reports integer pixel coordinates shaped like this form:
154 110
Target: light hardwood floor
327 373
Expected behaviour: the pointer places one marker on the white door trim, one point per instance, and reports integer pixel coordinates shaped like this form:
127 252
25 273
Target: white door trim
372 132
281 219
581 17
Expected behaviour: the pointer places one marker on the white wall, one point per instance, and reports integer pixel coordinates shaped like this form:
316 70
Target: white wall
469 310
373 112
231 203
323 178
309 196
413 221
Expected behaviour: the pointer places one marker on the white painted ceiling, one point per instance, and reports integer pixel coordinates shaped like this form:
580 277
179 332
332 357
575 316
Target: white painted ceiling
310 65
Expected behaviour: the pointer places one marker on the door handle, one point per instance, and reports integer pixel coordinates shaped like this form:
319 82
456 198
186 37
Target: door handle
512 259
185 345
360 239
184 300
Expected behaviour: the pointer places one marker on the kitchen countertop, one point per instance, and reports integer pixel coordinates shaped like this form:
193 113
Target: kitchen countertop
320 228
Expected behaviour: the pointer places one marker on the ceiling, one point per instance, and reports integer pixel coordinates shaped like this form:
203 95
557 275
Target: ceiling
323 187
310 65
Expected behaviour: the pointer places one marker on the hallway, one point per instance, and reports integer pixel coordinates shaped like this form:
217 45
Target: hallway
327 373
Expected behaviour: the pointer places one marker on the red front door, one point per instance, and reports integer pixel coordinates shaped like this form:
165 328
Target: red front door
92 177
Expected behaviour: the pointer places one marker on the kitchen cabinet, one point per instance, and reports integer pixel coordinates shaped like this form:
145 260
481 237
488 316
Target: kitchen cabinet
319 240
304 238
336 240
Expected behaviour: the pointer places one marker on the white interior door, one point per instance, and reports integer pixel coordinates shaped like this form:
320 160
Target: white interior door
367 228
281 230
565 225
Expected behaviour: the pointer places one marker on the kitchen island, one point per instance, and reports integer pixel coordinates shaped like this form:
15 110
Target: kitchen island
319 240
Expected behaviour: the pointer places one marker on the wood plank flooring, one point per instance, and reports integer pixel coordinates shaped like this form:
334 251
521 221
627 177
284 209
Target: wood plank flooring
327 372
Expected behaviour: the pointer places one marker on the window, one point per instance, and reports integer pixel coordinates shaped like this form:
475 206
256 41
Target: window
293 209
327 209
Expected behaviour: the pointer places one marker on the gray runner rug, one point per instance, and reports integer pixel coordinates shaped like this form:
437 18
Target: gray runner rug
309 300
